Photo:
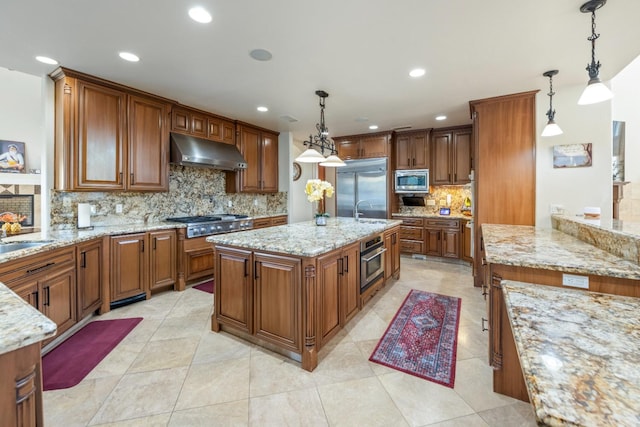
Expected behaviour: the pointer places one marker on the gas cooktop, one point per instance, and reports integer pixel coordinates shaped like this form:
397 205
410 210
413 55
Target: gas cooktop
207 225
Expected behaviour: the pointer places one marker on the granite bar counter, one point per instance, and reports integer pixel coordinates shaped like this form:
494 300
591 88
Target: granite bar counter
549 249
579 353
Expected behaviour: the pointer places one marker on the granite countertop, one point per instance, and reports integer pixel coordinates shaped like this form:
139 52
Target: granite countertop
454 215
528 246
305 238
20 323
579 353
60 238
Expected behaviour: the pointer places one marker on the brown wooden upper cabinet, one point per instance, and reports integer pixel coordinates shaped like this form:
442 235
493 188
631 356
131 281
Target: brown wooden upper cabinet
260 149
451 160
203 125
363 146
108 137
412 150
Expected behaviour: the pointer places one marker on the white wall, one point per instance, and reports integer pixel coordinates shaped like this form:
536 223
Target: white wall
626 108
300 209
21 116
573 188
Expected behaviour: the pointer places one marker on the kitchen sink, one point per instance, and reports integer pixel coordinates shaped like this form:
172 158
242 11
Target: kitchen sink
10 247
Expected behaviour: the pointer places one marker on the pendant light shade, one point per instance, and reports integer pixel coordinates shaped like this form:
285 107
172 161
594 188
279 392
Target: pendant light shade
551 129
595 91
322 142
310 156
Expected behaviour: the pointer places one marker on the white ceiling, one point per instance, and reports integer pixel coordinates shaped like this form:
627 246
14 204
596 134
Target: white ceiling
359 51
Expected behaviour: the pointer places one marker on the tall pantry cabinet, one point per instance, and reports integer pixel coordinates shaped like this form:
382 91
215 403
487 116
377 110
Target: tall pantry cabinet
505 165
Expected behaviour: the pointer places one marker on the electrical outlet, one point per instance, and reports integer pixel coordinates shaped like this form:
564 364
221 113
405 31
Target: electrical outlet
255 202
119 208
93 209
66 202
431 202
443 202
575 281
556 209
230 204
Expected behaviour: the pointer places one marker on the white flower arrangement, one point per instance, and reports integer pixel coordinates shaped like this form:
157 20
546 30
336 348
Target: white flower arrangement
316 190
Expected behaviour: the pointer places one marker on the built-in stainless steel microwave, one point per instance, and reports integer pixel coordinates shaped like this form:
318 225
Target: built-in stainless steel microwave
412 181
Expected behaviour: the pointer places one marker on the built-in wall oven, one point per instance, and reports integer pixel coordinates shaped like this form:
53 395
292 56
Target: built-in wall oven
371 260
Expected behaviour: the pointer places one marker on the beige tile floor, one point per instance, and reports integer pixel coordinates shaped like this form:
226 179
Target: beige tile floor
173 371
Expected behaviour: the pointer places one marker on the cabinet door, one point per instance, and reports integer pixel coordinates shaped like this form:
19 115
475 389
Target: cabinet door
234 294
269 163
59 298
199 125
328 282
28 291
198 259
440 172
392 257
348 148
128 266
89 271
421 152
461 156
250 147
404 152
374 146
465 243
162 258
100 147
221 130
148 145
451 243
349 283
433 245
180 121
278 300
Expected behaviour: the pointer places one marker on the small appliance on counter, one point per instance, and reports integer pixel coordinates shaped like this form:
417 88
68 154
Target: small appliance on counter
84 216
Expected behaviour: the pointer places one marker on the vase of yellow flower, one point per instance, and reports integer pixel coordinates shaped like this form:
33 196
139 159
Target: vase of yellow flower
316 190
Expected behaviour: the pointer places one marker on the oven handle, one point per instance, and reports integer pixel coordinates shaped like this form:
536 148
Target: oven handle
381 251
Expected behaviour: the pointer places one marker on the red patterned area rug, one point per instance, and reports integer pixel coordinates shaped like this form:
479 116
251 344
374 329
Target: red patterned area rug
67 364
205 287
421 339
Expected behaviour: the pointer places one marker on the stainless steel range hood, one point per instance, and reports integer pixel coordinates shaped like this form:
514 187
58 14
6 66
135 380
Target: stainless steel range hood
192 151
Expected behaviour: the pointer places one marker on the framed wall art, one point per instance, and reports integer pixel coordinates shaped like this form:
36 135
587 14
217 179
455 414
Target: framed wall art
12 157
572 155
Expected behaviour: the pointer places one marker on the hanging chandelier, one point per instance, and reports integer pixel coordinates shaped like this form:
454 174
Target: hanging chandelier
551 129
322 142
596 91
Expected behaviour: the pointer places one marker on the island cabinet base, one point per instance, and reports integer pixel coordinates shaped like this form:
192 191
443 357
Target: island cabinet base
508 378
21 387
290 305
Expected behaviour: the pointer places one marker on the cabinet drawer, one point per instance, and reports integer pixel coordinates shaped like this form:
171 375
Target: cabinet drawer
411 233
261 222
411 246
414 222
39 263
280 220
443 223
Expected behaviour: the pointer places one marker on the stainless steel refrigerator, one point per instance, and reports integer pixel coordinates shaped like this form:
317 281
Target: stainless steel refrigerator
362 180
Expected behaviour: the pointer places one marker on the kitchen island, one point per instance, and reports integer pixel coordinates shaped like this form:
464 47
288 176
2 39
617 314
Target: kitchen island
22 328
291 288
546 257
579 353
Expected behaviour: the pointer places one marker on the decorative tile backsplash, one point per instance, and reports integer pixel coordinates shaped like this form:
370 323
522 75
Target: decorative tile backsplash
439 194
23 200
192 191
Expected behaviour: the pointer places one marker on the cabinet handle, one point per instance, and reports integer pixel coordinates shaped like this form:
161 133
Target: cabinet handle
83 262
120 175
131 176
255 269
449 177
47 296
154 243
142 245
341 266
414 161
346 264
455 177
483 321
484 291
408 161
38 269
246 267
37 297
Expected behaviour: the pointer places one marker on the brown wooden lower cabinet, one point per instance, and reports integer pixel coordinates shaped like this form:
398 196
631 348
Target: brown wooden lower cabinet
270 221
438 237
503 357
162 259
90 271
129 266
21 387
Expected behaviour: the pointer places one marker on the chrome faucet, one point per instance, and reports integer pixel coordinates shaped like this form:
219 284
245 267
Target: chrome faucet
357 214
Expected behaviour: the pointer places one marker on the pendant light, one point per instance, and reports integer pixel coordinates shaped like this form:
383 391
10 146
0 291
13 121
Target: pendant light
596 91
551 129
322 141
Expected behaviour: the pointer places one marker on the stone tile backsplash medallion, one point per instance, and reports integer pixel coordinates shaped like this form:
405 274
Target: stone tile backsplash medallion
192 191
439 195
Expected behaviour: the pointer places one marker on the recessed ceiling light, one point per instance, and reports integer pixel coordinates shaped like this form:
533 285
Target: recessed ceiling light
373 127
46 60
260 54
441 117
417 72
128 56
200 15
263 109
